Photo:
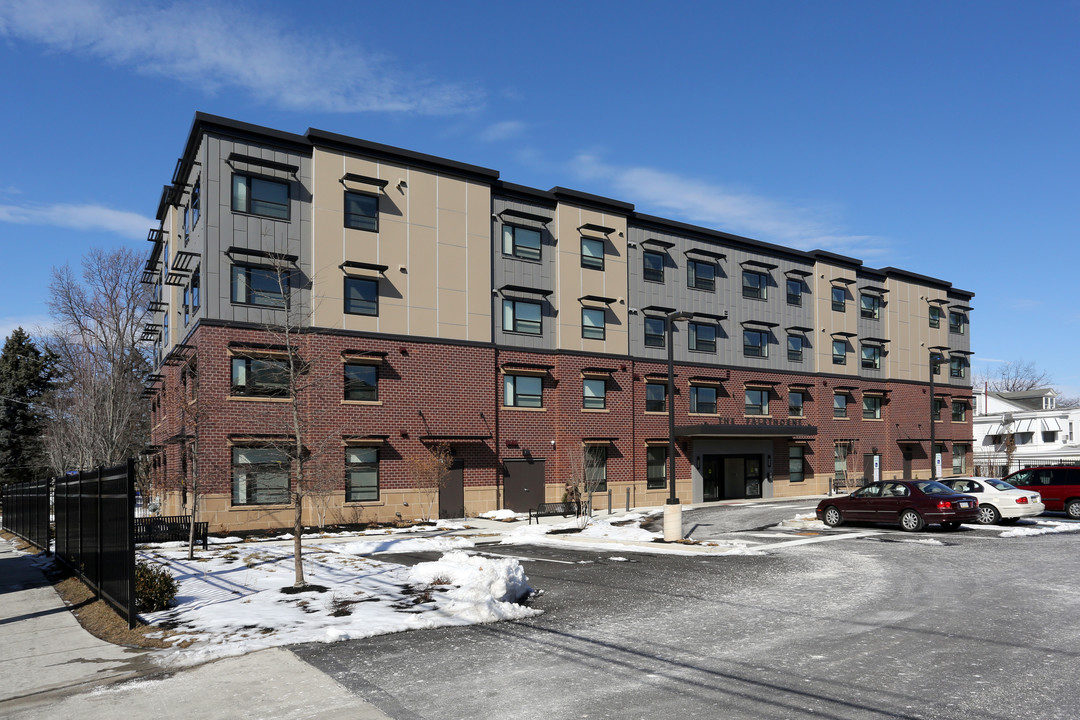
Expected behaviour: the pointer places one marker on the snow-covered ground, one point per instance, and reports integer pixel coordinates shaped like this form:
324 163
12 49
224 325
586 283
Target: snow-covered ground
237 598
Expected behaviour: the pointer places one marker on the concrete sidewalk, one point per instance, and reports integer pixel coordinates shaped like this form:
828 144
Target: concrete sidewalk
51 668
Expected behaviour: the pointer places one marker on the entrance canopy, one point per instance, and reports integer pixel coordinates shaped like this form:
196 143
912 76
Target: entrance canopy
764 427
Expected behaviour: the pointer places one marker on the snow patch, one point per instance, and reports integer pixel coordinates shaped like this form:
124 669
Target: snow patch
1045 527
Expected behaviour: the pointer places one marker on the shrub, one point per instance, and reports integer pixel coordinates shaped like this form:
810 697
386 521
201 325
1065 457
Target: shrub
155 588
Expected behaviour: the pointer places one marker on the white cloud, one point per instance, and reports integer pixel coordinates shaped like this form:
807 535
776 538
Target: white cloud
741 213
502 131
216 48
35 325
80 217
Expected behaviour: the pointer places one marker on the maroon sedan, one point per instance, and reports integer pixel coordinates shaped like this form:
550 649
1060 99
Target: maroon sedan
911 504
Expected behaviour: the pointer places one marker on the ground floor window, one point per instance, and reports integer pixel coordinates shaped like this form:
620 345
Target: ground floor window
596 468
840 455
361 474
795 463
656 468
260 476
959 459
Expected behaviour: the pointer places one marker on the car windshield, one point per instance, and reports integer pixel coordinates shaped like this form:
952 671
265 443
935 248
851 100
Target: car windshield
999 484
930 487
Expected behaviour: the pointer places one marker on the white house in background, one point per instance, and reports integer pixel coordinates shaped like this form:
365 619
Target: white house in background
1043 432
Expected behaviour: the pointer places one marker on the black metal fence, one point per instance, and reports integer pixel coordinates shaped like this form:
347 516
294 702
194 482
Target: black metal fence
26 511
95 532
996 466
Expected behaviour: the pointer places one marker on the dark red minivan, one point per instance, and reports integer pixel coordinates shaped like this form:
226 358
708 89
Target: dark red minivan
1059 486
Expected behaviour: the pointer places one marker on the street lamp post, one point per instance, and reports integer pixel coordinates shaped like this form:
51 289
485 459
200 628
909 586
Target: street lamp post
936 358
673 509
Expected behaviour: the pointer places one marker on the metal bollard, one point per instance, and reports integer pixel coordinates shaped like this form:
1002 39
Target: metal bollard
627 499
610 509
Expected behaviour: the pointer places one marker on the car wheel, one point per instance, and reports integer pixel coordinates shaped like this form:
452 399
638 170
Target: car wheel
954 525
911 521
833 518
988 515
1073 509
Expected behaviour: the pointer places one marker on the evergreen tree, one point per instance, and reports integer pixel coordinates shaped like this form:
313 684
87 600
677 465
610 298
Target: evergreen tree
25 376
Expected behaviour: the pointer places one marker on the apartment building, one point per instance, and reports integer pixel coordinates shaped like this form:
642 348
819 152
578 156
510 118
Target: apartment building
429 302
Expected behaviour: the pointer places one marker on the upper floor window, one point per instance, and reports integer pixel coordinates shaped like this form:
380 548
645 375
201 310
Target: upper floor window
702 400
935 316
592 253
871 357
795 345
521 242
871 408
592 323
187 305
655 397
839 299
870 306
187 224
521 316
755 284
757 402
755 343
939 405
258 285
652 266
794 291
196 282
957 367
523 391
361 211
196 203
700 275
594 393
702 337
259 196
361 382
260 377
839 405
361 296
795 404
654 332
957 323
959 411
839 352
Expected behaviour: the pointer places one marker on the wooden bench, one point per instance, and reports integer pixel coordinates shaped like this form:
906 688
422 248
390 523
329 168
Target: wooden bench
556 508
169 528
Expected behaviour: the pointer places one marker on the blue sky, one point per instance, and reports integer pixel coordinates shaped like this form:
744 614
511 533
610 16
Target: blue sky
940 137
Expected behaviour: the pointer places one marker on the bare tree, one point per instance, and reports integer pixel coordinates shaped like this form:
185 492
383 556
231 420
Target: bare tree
429 472
1016 376
96 413
583 478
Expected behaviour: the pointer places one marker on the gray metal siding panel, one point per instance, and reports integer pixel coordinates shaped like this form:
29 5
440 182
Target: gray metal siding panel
538 275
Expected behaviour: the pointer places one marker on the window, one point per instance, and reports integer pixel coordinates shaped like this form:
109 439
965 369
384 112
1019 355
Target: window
700 275
959 411
1049 436
839 405
939 405
523 391
521 316
195 285
957 367
757 402
871 408
592 253
361 474
361 382
959 459
795 404
594 394
839 299
196 204
656 468
187 305
255 285
654 332
870 306
796 471
702 337
521 242
794 291
361 296
187 224
260 476
871 357
596 468
592 323
839 352
957 323
795 347
935 316
840 456
259 196
652 266
361 211
755 343
755 284
702 400
260 377
655 397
